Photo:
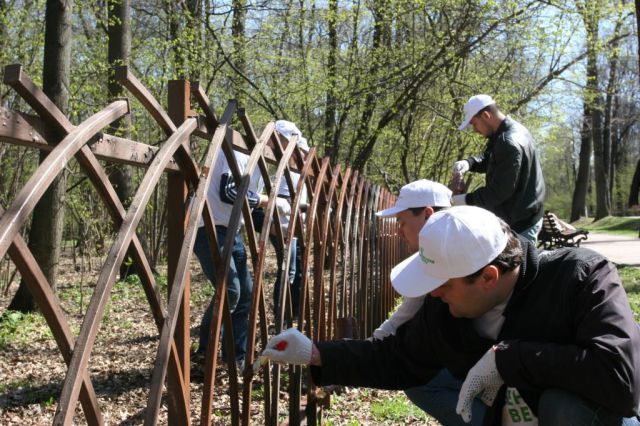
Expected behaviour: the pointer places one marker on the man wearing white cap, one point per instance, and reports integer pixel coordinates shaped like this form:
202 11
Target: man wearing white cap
222 194
546 337
417 201
294 276
514 188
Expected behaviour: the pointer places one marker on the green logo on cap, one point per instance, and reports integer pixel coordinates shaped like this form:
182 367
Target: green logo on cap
424 258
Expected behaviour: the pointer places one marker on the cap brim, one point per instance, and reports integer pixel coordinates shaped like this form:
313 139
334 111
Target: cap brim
392 211
465 123
410 279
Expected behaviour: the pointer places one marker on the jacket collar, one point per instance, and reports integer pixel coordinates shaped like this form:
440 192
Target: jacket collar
503 127
528 270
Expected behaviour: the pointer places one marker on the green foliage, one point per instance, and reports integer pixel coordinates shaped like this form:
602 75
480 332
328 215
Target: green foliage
24 391
352 421
161 281
397 409
630 277
385 408
19 328
614 224
555 148
402 73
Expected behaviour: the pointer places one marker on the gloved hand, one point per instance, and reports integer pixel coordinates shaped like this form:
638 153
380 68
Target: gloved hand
385 329
459 200
482 380
461 166
289 347
283 206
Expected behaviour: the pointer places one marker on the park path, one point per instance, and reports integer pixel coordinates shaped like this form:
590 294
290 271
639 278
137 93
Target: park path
620 249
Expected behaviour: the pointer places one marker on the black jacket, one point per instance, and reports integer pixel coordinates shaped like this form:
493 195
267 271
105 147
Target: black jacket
514 187
568 325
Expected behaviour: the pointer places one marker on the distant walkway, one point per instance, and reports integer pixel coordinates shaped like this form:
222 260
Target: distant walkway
620 249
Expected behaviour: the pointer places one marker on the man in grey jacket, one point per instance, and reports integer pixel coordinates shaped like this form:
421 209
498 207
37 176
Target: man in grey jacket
514 188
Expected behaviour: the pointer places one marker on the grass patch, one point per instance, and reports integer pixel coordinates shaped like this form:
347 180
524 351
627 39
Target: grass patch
630 277
397 409
25 391
385 407
621 225
19 328
351 422
20 383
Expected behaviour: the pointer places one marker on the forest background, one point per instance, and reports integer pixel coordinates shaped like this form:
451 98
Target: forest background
375 84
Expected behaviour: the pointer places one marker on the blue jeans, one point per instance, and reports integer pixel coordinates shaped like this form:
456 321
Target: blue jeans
558 407
239 288
439 397
531 233
294 276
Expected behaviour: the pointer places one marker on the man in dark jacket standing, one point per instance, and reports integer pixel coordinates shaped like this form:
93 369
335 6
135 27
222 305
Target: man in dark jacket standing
514 188
547 335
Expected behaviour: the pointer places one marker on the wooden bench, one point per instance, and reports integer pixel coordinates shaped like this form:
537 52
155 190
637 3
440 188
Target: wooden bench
555 233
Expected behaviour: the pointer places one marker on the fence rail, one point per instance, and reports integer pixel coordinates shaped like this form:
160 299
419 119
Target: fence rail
347 252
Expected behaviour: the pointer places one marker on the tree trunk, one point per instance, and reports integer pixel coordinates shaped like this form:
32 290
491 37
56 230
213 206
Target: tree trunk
119 52
47 223
600 168
239 43
638 30
381 38
196 30
174 13
579 202
612 90
590 12
3 28
332 149
119 32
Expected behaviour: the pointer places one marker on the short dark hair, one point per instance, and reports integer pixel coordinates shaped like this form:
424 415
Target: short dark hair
510 258
493 109
417 210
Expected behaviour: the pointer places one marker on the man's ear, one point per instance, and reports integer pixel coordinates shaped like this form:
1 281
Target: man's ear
489 277
486 115
428 211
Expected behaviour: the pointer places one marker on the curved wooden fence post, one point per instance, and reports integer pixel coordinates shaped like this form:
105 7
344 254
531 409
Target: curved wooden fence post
346 251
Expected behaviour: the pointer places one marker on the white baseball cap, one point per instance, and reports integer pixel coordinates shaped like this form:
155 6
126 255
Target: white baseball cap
287 128
454 243
473 106
303 144
419 193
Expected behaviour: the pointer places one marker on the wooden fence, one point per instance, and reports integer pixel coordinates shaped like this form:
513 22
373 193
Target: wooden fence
347 252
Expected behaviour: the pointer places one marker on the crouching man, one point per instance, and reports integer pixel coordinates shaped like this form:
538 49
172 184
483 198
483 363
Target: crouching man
539 337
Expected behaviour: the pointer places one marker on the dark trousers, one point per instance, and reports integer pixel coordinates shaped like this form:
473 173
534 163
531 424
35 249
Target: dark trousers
239 288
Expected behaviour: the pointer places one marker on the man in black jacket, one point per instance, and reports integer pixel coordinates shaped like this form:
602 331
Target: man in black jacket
547 334
514 188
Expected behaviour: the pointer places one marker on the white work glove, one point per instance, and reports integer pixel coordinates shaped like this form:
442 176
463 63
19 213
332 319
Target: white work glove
283 206
461 166
483 380
385 329
289 347
459 200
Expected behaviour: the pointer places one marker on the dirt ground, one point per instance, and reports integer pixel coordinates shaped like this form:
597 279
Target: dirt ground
32 370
